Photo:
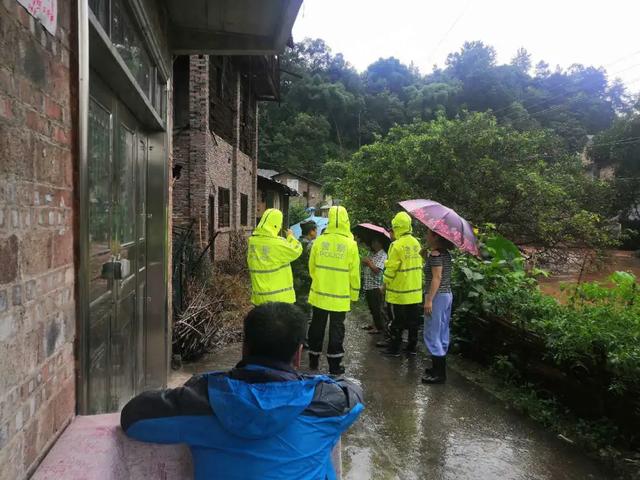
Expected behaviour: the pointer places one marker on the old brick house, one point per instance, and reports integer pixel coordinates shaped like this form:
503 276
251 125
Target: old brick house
85 161
310 192
272 194
215 143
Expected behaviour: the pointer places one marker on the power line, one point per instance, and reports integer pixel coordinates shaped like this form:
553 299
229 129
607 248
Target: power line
625 142
446 34
556 107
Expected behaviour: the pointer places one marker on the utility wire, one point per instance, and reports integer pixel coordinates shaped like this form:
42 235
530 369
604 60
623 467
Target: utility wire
446 34
624 142
556 107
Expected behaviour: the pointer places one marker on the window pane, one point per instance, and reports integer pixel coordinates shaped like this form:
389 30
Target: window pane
129 44
224 207
100 9
125 206
100 180
244 209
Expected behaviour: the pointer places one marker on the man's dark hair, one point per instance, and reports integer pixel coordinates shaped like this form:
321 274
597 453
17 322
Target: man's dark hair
274 330
307 227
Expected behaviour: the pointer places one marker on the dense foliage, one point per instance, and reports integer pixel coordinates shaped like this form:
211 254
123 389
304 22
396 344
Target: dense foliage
522 181
618 149
340 109
601 322
535 121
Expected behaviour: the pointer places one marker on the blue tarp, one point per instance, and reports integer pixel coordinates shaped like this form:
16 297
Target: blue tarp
320 221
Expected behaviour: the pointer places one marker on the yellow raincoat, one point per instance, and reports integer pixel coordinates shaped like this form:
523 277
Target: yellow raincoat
403 269
269 257
334 265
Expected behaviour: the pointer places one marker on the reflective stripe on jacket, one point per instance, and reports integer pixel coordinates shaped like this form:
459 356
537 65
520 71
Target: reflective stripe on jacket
334 265
403 269
269 257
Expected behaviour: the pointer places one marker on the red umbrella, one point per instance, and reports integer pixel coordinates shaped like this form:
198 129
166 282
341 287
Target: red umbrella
366 231
445 222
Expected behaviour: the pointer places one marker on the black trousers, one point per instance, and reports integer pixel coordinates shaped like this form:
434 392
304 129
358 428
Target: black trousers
405 317
374 301
336 332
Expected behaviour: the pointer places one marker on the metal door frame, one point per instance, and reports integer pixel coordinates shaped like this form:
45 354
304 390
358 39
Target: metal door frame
157 139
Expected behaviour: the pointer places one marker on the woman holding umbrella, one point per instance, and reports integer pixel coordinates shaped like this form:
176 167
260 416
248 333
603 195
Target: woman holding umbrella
377 239
446 230
437 305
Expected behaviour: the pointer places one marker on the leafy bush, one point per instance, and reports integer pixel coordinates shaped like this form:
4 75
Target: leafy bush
600 323
297 213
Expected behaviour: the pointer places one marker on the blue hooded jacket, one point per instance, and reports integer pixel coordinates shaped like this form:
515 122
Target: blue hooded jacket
262 420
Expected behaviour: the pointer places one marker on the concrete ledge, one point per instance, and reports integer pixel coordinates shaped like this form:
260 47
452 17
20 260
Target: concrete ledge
95 447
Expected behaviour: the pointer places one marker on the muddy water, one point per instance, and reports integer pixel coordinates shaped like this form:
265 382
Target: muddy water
614 261
454 431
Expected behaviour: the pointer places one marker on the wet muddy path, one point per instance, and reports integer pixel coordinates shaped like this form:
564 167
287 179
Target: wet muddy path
453 431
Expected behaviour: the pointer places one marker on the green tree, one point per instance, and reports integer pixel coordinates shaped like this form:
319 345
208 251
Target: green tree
521 181
618 148
522 60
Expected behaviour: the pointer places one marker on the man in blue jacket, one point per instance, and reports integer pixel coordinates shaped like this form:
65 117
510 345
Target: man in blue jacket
261 420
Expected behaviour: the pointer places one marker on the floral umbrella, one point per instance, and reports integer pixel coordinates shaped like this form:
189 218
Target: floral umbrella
445 222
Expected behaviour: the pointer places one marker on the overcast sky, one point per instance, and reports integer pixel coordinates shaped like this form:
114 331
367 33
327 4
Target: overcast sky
601 33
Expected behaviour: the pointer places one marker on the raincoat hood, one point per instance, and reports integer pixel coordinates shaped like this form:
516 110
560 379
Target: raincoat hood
339 222
259 410
401 224
270 223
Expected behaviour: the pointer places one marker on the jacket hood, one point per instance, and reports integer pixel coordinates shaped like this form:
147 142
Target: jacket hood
339 222
401 224
259 410
270 223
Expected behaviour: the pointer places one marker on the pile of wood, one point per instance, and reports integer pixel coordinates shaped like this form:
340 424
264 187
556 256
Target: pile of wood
212 316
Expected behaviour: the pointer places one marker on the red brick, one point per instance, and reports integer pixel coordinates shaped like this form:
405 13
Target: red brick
52 109
45 424
16 152
24 17
9 256
49 164
7 84
37 123
30 452
6 108
63 249
61 135
30 94
36 252
64 404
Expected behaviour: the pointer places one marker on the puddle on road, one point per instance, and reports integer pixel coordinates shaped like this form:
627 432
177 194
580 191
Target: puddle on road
456 431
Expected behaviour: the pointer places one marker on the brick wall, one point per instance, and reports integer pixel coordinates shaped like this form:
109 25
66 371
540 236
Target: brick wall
208 159
37 301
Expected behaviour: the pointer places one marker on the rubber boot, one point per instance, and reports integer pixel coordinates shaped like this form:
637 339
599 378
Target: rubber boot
429 370
314 361
335 367
439 372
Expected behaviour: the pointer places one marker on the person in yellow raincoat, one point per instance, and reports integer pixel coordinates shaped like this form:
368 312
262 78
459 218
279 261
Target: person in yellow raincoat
269 257
403 285
334 266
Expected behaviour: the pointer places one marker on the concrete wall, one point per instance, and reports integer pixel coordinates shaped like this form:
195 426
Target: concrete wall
37 300
209 160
